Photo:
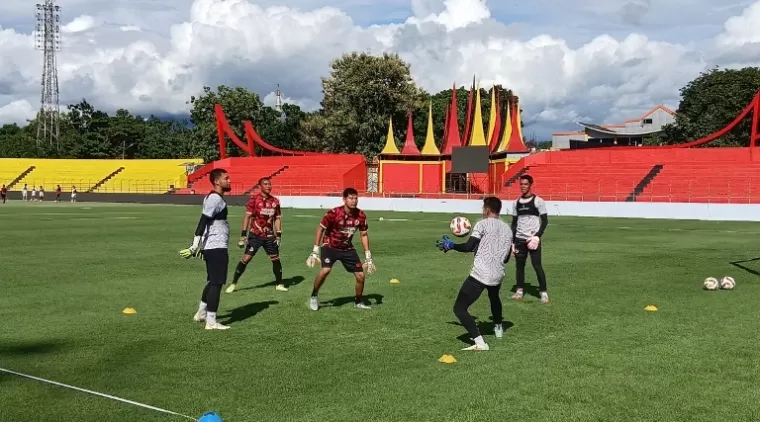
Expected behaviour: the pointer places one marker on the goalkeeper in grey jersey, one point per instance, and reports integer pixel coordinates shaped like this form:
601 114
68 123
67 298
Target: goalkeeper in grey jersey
491 240
212 236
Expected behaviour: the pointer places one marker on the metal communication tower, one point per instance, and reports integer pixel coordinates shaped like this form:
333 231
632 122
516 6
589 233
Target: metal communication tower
48 39
278 105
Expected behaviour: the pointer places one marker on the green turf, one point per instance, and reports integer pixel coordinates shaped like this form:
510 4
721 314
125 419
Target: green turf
593 354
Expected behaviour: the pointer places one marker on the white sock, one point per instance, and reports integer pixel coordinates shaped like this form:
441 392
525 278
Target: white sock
211 318
479 341
202 307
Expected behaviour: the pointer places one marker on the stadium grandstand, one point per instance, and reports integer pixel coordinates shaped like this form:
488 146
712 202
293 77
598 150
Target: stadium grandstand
690 172
97 176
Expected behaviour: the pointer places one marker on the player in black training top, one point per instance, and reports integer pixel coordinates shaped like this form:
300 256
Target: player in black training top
529 222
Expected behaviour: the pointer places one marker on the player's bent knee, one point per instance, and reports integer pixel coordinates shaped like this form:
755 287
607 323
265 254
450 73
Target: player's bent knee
274 258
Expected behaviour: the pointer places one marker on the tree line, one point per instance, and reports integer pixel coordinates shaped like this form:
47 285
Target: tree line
360 95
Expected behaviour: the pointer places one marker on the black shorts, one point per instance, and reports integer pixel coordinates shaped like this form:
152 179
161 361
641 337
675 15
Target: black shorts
217 261
522 251
349 258
268 243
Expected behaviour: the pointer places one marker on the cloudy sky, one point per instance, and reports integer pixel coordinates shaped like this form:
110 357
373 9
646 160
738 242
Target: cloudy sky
568 60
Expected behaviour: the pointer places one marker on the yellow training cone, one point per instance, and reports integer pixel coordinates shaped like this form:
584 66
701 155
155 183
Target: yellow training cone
447 359
129 311
395 281
651 308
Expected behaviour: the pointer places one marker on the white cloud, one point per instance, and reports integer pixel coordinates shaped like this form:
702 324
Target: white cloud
455 14
80 24
742 29
155 62
17 111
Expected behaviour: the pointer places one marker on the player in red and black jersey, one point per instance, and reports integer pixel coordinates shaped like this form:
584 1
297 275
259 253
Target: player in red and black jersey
334 237
262 228
4 193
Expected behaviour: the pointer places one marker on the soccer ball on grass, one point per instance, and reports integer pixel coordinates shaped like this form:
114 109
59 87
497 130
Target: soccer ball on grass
727 283
460 226
710 283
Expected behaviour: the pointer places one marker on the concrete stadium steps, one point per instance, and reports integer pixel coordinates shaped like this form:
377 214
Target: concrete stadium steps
315 179
279 171
101 176
291 175
50 173
243 179
584 181
12 171
705 182
148 176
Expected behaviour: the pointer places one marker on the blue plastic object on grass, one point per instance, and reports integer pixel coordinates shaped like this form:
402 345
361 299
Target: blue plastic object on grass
210 417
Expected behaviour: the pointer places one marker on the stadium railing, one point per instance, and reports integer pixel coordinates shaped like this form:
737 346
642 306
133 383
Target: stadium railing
146 186
713 191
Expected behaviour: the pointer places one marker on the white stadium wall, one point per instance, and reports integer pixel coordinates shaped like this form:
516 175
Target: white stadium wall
661 210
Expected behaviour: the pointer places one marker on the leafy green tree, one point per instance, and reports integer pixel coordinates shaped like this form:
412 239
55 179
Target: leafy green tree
240 105
709 103
361 93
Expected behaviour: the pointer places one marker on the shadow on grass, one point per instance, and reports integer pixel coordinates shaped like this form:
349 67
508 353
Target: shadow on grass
368 299
288 282
738 264
28 348
485 328
530 290
244 312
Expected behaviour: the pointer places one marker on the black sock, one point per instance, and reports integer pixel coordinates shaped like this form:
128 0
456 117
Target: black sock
239 271
214 294
314 292
357 299
277 270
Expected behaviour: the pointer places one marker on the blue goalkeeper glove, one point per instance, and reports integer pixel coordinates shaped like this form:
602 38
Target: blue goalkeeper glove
445 244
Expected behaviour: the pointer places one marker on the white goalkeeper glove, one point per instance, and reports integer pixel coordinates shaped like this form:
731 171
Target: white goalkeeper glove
533 243
193 249
369 266
313 258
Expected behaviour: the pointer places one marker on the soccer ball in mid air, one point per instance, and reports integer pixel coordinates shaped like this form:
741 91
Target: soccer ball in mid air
711 283
727 283
460 226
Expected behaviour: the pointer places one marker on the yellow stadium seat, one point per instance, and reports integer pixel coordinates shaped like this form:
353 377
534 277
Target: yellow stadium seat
149 176
101 176
67 173
11 169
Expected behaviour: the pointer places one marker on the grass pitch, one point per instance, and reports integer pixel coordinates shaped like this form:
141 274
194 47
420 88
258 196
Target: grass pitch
593 354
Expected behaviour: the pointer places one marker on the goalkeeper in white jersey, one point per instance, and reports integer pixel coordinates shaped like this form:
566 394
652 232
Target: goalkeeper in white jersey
491 240
211 240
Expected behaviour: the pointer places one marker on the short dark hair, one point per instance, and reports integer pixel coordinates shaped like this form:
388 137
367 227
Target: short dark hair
264 179
348 192
527 177
493 204
216 174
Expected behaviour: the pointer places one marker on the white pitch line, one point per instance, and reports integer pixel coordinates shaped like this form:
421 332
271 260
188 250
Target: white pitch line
71 387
